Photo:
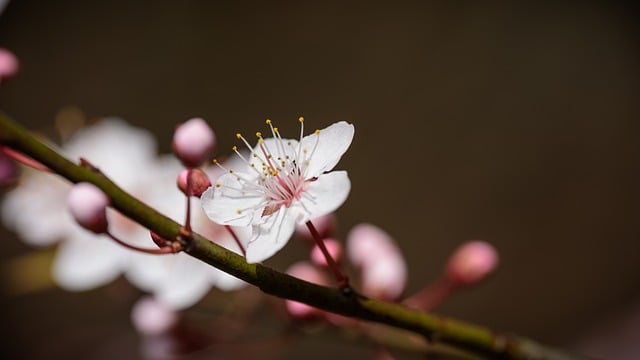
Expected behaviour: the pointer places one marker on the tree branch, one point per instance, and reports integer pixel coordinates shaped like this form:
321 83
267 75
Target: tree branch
476 339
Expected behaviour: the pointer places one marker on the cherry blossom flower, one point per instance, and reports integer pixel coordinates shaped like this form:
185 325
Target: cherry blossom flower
282 182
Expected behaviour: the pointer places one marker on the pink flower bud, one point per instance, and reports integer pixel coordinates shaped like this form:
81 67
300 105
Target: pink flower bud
199 182
384 277
151 317
8 64
471 262
305 271
382 266
193 142
333 247
367 241
88 205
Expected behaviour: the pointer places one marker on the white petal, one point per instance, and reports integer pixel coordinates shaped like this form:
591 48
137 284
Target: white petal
186 283
230 204
325 195
271 236
332 142
36 209
86 261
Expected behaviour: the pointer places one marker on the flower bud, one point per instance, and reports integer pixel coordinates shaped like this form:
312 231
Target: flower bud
151 317
385 277
193 142
199 182
88 206
9 64
366 241
471 262
333 247
305 271
382 267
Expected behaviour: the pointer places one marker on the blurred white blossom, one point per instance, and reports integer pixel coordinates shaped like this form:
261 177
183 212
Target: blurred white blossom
36 211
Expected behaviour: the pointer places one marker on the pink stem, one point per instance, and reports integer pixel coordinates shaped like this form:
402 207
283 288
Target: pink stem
23 159
160 251
342 280
235 237
431 296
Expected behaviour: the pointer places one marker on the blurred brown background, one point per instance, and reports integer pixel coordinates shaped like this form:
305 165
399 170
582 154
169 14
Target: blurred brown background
514 123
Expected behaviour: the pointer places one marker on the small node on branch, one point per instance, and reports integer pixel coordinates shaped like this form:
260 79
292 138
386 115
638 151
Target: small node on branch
88 206
193 142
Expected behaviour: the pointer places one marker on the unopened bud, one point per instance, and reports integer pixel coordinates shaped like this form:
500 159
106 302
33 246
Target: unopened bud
305 271
385 277
333 247
9 64
151 317
193 142
471 262
88 205
382 266
198 180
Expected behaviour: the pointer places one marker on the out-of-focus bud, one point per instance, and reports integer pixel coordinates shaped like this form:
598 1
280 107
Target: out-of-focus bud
199 182
333 247
326 226
385 277
382 266
9 64
150 317
366 241
305 271
88 206
193 142
471 262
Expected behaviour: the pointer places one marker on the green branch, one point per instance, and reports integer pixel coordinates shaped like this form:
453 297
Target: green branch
476 339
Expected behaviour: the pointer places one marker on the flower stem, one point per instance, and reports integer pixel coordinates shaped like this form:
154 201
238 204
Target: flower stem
235 237
160 251
341 279
431 296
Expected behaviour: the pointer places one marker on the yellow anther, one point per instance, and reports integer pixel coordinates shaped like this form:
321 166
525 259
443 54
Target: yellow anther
275 129
215 161
268 121
259 134
218 185
230 171
301 119
238 135
239 211
234 148
317 131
